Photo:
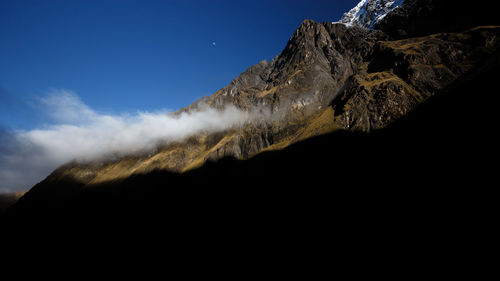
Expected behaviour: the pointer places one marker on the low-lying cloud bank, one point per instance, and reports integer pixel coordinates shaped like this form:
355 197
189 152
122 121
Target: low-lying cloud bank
80 133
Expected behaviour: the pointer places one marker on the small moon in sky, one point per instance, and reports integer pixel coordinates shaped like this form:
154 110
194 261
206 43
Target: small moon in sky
213 43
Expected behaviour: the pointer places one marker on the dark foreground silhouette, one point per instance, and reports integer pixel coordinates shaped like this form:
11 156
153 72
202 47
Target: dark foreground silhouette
412 198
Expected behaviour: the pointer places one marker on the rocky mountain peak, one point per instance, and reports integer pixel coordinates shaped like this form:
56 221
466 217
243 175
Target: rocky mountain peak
369 12
393 104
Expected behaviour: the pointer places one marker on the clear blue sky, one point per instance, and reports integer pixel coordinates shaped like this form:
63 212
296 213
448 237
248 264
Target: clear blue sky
123 56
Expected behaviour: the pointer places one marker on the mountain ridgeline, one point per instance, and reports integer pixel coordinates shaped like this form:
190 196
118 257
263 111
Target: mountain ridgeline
369 12
329 77
372 127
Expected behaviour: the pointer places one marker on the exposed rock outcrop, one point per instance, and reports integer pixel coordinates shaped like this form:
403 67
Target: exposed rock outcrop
408 199
329 77
369 12
358 78
403 74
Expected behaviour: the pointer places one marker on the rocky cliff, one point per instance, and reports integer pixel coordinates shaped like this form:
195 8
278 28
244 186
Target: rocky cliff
330 77
398 185
293 93
369 12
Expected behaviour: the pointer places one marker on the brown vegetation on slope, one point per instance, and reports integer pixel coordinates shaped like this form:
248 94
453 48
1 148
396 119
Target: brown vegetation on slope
329 77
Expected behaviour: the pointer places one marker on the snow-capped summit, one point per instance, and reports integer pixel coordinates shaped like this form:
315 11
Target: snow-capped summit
368 12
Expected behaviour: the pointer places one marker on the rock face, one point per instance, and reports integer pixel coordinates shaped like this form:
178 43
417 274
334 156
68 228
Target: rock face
402 74
295 91
398 180
369 12
329 77
305 77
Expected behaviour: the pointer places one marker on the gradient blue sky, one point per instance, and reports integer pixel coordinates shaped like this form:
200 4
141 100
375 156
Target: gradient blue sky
124 56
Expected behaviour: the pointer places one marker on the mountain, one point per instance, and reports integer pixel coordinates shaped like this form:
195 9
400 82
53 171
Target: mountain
329 77
373 140
8 199
369 12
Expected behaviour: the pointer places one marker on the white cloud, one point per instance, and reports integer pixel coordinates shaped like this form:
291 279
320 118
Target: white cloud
64 106
83 134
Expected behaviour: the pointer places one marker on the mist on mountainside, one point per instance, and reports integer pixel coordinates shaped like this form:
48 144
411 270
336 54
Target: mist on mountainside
81 134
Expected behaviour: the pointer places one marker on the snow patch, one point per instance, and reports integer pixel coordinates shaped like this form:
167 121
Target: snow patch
368 12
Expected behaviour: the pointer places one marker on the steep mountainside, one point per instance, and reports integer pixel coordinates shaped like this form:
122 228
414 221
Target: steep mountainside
369 12
294 91
6 200
383 100
402 74
376 149
329 77
409 201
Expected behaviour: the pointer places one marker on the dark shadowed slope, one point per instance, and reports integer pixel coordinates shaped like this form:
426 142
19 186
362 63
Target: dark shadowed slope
407 193
410 198
446 141
8 199
424 17
329 77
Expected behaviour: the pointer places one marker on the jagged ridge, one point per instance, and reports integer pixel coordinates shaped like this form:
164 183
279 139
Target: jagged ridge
329 77
369 12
